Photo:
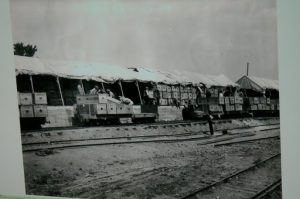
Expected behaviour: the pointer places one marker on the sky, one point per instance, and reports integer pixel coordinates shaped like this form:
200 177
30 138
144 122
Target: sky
206 36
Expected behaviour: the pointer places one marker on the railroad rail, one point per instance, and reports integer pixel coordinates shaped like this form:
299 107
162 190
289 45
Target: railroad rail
253 182
206 139
186 122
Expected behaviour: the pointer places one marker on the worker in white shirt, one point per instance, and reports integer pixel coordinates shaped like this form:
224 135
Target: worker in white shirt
148 96
95 90
110 93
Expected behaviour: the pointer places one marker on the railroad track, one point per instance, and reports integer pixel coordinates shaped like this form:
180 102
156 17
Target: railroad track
203 138
254 182
186 122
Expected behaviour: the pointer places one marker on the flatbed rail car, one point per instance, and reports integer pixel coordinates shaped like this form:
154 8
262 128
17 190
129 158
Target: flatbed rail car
32 110
102 109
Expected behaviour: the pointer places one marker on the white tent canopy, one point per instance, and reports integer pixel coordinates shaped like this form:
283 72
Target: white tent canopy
111 73
258 83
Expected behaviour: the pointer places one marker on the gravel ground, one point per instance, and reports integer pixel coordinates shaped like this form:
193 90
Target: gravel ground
148 170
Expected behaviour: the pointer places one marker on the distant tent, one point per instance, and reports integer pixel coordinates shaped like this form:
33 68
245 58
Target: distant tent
258 84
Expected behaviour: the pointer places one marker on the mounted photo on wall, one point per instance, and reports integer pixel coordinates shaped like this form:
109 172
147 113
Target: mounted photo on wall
148 99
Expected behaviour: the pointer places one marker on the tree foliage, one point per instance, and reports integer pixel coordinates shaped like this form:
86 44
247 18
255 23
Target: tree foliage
22 50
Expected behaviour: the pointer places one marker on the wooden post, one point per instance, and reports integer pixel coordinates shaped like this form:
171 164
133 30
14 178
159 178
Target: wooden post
138 87
59 88
31 83
247 68
81 83
120 84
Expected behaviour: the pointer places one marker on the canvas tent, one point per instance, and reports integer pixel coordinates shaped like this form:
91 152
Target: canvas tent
111 73
258 84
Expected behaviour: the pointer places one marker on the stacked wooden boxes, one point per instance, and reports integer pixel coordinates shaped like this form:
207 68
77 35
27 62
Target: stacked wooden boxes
162 89
40 104
124 109
229 103
32 105
238 103
182 94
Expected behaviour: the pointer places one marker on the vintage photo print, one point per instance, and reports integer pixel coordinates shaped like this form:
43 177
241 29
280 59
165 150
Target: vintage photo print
148 99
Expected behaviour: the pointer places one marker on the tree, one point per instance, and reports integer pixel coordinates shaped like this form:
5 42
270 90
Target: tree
20 49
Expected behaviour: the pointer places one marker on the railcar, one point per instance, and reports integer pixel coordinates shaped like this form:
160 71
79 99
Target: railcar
102 109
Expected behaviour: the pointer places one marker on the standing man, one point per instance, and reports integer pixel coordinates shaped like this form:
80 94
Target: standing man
148 96
210 124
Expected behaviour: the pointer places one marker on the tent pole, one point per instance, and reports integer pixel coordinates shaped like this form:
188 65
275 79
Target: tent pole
247 68
81 83
102 86
59 88
120 84
31 83
138 87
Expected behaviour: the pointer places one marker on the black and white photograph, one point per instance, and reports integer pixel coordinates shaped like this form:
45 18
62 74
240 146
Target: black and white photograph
148 99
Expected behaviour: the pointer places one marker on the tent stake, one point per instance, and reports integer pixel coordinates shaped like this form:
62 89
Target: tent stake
31 83
138 87
59 88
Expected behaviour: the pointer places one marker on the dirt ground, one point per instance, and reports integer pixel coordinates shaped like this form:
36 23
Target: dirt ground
146 170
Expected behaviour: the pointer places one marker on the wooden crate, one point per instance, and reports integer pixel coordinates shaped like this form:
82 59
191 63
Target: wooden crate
175 89
170 102
255 100
101 109
40 98
169 95
122 109
111 108
251 100
259 107
87 99
26 111
221 100
159 88
231 100
184 96
175 95
272 107
262 100
212 108
213 100
227 100
163 102
232 107
254 107
40 110
25 99
169 88
164 94
227 107
102 99
238 107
